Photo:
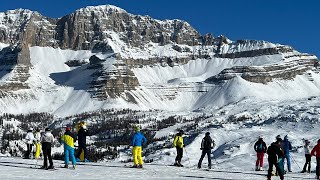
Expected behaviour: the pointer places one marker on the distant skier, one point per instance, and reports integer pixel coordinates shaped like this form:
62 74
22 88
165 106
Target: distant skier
29 140
287 147
47 139
68 140
308 157
316 152
179 145
206 145
281 158
137 141
37 136
260 147
274 152
82 141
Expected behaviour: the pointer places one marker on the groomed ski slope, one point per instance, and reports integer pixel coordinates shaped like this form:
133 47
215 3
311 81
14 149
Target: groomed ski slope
232 158
14 168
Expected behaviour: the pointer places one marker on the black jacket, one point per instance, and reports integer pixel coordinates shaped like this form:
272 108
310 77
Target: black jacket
274 151
207 143
82 136
260 146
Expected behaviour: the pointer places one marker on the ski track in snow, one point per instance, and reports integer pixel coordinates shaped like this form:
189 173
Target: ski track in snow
16 168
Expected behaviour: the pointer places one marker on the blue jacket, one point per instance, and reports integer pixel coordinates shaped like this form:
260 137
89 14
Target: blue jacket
287 146
138 139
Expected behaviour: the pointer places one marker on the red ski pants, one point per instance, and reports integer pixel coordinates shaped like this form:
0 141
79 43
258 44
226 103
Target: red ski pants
260 159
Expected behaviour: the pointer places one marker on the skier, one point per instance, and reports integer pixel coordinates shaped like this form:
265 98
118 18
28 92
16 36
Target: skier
29 140
47 139
260 147
68 140
82 142
37 141
178 144
137 141
308 157
287 147
206 145
316 152
274 152
281 158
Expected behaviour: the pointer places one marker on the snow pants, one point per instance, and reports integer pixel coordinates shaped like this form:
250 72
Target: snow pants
259 161
274 162
204 153
38 150
137 155
69 152
288 162
318 167
179 154
29 149
46 149
84 148
307 163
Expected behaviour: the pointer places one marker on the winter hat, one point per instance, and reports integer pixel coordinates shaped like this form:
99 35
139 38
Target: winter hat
181 131
319 141
207 133
260 137
68 129
136 128
47 129
278 137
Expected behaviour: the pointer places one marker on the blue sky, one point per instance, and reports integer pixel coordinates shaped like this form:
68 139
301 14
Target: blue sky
292 22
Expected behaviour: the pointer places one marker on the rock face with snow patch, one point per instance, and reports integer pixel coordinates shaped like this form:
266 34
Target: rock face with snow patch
137 58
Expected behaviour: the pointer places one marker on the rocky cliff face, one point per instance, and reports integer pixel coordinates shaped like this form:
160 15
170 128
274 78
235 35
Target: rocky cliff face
135 42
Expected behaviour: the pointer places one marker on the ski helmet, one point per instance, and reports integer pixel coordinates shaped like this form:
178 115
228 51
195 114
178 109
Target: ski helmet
278 137
181 131
207 133
47 129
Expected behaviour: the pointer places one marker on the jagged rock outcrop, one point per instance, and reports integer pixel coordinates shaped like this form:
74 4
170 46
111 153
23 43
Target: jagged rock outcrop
111 82
265 74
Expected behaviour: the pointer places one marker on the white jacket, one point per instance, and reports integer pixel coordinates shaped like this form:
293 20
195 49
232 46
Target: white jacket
47 137
29 138
37 137
306 149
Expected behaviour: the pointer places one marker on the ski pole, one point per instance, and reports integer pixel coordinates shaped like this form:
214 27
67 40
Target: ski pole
295 161
187 157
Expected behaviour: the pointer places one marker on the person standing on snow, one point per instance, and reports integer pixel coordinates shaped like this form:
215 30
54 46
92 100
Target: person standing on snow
178 144
29 140
316 152
281 158
206 145
287 147
137 141
308 157
37 136
68 140
274 152
47 139
260 147
82 141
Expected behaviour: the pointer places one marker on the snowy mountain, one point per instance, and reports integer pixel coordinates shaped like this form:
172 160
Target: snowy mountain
114 69
104 57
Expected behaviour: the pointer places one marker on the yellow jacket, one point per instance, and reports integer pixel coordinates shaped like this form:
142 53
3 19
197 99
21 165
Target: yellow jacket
178 141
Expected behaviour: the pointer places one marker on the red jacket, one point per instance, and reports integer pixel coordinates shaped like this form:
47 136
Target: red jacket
316 150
